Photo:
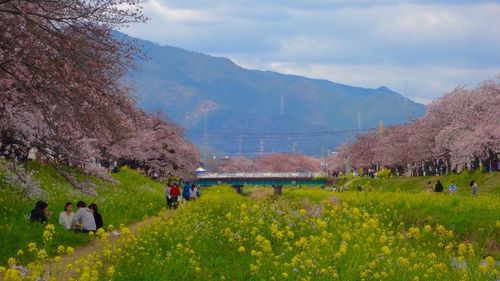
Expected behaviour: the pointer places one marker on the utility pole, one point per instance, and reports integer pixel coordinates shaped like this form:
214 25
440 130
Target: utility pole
294 147
348 160
282 104
360 120
240 141
261 147
205 152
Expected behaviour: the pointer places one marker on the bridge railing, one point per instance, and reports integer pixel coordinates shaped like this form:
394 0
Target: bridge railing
212 175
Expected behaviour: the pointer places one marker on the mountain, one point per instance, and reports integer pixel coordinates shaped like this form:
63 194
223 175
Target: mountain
253 111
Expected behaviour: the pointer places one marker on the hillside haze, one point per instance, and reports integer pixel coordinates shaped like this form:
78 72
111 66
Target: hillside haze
253 111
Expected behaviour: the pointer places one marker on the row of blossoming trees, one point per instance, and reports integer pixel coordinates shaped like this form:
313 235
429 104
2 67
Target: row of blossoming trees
459 130
62 88
271 163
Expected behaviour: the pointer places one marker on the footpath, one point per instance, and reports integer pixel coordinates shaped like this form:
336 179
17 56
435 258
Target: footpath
59 270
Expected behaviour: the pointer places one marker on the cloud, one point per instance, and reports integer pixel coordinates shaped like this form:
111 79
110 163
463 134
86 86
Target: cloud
421 83
372 42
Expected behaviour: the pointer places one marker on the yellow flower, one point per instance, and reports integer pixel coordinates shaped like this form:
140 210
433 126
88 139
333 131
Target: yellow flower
42 254
32 247
241 249
20 252
60 249
11 261
490 261
111 271
386 250
284 274
462 248
70 250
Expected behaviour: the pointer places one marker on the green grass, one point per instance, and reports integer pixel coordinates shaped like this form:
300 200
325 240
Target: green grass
225 236
133 198
474 219
487 182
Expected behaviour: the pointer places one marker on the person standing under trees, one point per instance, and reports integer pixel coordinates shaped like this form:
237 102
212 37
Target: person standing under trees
474 188
452 188
430 187
439 187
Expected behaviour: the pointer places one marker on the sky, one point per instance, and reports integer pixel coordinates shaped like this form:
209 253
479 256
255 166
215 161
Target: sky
421 49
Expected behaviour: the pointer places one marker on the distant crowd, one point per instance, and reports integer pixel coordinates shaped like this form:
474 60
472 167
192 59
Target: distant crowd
84 220
452 188
173 193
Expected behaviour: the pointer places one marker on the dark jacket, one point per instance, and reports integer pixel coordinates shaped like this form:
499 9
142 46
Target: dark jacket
439 187
98 220
38 216
37 213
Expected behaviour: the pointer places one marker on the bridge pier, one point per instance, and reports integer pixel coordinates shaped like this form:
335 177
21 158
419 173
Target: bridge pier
278 190
239 188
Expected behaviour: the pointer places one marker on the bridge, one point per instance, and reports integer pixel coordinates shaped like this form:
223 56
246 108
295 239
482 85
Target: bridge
270 179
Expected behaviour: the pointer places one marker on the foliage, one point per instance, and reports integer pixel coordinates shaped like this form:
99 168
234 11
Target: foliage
62 92
271 163
224 236
384 173
118 203
461 127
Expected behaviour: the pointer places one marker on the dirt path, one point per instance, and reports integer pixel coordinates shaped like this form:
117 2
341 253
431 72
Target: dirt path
94 246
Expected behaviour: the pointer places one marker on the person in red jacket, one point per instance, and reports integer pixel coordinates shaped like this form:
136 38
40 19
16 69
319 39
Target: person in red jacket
174 193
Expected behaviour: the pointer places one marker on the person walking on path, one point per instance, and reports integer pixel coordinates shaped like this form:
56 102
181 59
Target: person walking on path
193 192
175 192
186 192
168 196
84 218
430 187
474 188
439 187
452 188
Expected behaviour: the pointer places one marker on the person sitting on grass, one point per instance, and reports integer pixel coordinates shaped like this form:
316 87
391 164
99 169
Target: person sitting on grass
40 213
452 187
97 217
66 216
84 218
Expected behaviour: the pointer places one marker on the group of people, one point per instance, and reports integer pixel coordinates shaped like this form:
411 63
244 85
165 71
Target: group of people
452 187
85 219
173 192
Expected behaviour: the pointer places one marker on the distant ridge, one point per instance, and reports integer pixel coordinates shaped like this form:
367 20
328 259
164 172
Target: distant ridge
213 95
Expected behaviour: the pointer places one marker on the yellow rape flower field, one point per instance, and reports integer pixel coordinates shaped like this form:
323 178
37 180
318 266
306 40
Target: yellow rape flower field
307 234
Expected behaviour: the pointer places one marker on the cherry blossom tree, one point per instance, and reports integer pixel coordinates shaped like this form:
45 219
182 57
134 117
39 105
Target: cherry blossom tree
61 87
461 127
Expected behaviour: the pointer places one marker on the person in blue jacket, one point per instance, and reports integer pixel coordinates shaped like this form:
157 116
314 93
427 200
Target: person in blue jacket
186 191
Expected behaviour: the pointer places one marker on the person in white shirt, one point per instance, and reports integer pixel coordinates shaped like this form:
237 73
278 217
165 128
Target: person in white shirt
193 192
84 217
66 217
